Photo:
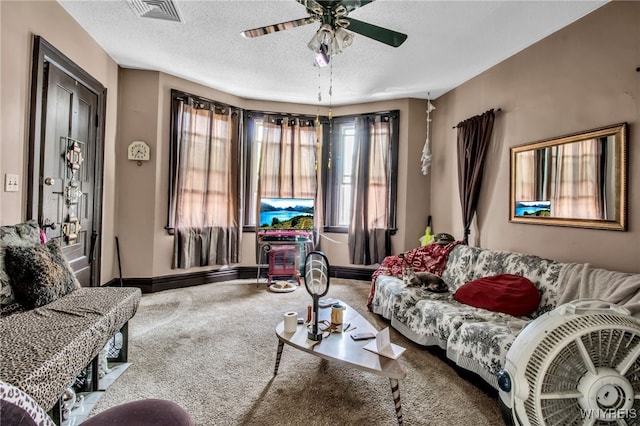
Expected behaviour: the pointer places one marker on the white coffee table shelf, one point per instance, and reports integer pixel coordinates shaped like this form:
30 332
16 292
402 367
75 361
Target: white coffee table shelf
341 348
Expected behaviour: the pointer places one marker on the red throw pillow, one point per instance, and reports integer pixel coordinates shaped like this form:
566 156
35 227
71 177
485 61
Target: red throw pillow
512 294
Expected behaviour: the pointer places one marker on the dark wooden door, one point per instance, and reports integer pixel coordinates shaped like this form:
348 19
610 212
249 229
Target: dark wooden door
67 172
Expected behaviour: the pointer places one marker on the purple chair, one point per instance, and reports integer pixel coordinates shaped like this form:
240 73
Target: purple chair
19 409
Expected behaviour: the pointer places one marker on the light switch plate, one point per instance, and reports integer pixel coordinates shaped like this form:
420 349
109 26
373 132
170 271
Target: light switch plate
11 183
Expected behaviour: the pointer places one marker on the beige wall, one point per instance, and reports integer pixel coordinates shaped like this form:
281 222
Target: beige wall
577 79
145 114
580 78
20 21
137 191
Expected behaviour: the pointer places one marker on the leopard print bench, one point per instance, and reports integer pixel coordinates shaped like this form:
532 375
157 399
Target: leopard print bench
42 350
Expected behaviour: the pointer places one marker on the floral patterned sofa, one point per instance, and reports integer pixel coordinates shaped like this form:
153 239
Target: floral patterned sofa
43 349
478 339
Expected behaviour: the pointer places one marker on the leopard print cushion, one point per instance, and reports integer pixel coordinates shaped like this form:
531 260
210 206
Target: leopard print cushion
11 309
23 234
39 274
16 407
43 349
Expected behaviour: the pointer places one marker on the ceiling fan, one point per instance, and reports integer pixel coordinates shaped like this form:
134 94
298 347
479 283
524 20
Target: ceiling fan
332 35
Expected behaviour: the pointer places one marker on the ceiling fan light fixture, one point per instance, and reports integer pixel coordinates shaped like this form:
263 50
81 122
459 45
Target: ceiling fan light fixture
342 38
342 22
341 10
315 42
322 58
324 36
333 14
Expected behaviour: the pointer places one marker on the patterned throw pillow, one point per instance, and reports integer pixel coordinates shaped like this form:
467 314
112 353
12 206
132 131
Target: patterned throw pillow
39 274
23 234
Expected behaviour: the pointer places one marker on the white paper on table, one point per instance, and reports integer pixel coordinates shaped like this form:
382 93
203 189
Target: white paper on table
382 345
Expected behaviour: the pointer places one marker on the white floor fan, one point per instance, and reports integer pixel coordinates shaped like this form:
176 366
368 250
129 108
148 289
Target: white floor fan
576 365
316 281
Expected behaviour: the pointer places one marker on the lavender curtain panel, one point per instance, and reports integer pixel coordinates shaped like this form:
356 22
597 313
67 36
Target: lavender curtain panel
474 135
205 209
369 235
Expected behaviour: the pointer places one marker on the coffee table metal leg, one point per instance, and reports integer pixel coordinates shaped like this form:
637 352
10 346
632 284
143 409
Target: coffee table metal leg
278 356
395 391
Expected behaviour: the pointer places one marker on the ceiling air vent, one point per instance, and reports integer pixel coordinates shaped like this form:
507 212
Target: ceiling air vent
156 9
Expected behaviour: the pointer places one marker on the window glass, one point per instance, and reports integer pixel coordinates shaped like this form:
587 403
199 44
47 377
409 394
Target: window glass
288 169
254 148
340 146
202 163
343 174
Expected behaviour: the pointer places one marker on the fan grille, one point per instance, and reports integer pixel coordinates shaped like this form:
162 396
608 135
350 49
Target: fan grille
603 340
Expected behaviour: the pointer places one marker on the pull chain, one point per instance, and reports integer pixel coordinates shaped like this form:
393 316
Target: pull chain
330 110
317 122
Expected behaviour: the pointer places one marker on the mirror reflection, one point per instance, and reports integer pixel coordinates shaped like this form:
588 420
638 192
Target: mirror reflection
576 180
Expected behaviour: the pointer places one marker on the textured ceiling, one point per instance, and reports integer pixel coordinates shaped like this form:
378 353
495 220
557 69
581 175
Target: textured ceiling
449 43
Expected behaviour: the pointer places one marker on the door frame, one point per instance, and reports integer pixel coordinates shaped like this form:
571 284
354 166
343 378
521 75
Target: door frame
43 52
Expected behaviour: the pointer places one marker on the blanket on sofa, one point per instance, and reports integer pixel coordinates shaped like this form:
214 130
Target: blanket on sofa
430 258
581 281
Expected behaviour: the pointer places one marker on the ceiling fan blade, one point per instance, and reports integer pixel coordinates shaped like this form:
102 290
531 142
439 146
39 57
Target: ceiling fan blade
256 32
383 35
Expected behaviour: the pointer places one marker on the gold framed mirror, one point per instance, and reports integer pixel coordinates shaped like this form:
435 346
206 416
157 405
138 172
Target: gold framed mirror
578 180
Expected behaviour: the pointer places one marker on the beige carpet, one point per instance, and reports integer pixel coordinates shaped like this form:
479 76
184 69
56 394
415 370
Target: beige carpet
212 350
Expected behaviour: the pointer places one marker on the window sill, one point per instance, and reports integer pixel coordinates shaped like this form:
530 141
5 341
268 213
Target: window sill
326 229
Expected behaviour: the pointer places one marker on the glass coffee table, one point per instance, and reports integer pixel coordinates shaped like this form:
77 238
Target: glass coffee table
341 348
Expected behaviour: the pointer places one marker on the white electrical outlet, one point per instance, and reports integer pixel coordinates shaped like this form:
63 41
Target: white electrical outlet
11 183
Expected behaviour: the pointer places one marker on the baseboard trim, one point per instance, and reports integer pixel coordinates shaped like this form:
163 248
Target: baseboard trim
351 272
168 282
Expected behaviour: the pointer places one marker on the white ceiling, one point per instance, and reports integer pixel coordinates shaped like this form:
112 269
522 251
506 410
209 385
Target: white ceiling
449 42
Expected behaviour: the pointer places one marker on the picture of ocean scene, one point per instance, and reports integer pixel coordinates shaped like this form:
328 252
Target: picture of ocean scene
533 208
286 213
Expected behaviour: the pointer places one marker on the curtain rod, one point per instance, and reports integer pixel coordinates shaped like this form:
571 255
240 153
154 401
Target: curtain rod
281 114
187 97
497 110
